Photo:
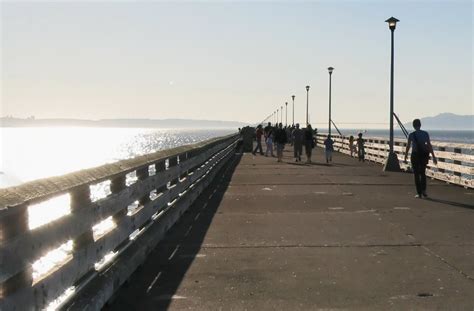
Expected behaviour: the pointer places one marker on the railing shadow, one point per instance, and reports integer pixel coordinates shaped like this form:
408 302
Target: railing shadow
154 285
452 203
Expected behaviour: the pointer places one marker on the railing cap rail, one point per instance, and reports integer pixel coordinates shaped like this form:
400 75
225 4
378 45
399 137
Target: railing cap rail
436 143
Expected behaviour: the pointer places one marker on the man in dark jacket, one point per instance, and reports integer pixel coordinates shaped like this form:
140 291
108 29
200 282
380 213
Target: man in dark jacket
280 139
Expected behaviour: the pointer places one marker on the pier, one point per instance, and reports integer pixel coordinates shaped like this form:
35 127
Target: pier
210 226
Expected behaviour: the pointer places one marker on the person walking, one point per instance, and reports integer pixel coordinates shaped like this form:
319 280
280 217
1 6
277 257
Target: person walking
329 148
268 132
297 138
420 143
360 148
280 139
308 142
351 145
258 136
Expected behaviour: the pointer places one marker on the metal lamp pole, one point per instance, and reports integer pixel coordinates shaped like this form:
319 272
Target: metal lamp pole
293 98
392 160
330 70
286 113
307 104
281 114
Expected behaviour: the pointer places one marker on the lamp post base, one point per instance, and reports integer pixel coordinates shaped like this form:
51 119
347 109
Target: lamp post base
392 164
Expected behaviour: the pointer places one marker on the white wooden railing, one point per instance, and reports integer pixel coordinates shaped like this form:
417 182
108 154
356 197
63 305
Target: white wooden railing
105 211
455 161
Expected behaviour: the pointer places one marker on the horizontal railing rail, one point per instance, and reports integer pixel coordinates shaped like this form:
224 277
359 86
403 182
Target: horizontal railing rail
455 160
46 255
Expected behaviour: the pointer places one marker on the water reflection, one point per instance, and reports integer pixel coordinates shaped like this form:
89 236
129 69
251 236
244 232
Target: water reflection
52 261
32 153
45 212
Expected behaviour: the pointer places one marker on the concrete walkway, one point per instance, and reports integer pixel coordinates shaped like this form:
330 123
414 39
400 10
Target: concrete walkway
285 236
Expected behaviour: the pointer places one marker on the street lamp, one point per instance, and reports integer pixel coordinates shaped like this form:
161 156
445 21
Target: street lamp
286 113
330 70
307 103
278 109
281 115
391 163
293 97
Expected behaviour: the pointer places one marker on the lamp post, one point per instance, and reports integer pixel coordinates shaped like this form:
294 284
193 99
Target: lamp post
293 98
330 70
278 109
281 115
286 113
391 163
307 104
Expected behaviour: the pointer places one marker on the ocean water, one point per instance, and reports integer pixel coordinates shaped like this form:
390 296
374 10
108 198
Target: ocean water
33 153
465 137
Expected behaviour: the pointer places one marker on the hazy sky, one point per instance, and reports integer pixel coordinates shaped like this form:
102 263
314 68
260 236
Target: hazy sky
234 60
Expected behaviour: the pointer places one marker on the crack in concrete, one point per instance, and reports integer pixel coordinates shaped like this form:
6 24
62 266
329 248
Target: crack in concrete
443 260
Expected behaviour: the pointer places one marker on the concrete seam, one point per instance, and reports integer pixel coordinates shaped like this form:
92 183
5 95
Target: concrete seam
443 260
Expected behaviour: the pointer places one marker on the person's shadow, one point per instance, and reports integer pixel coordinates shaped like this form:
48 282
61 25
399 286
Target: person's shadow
456 204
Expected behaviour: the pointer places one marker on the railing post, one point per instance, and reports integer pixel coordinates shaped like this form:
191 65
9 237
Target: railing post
457 150
81 199
142 173
14 224
160 167
441 170
118 184
22 279
183 157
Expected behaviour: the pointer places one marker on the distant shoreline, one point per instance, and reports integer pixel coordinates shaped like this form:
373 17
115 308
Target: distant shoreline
118 123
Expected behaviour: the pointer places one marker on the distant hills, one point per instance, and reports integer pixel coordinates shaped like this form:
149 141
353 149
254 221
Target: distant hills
446 121
124 123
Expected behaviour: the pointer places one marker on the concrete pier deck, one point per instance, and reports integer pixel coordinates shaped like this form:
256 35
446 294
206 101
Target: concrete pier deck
290 236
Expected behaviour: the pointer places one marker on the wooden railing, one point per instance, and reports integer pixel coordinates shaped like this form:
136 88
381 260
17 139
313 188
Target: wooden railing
104 210
455 161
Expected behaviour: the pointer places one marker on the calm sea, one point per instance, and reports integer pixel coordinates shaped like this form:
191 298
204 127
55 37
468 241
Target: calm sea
32 153
465 137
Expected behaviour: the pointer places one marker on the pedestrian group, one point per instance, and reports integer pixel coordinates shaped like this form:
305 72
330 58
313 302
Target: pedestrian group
276 137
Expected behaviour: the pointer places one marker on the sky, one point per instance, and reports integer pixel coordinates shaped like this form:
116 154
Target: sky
240 61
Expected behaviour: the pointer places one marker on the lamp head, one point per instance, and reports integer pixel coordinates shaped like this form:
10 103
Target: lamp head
392 23
286 103
293 97
307 88
330 69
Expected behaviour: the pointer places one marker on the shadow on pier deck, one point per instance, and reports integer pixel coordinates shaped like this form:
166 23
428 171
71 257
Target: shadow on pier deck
268 235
